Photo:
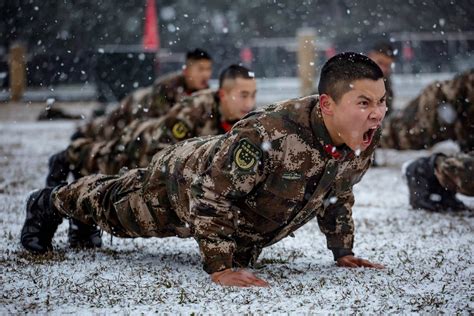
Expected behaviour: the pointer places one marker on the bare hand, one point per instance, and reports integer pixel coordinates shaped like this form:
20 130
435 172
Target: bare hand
354 262
240 277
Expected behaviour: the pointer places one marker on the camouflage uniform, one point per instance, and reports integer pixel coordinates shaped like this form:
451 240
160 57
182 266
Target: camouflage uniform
234 193
456 173
444 110
154 101
389 96
197 115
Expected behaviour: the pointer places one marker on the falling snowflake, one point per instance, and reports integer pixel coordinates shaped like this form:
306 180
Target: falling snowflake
266 146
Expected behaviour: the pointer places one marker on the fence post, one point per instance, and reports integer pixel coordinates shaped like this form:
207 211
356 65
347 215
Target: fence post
17 65
306 59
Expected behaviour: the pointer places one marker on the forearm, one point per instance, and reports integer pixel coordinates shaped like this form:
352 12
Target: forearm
337 224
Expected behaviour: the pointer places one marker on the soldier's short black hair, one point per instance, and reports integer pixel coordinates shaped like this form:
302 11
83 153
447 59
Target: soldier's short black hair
233 72
384 48
197 54
341 70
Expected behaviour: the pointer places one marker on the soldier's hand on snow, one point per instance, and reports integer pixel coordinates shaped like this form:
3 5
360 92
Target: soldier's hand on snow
354 262
240 277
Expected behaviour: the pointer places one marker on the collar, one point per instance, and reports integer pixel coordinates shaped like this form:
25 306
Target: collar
222 126
226 126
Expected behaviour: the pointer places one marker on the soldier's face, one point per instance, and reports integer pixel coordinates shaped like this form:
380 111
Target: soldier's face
197 74
383 61
237 98
358 114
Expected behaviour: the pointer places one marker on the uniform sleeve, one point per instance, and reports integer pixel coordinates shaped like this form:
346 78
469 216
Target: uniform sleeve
234 169
179 124
336 220
337 224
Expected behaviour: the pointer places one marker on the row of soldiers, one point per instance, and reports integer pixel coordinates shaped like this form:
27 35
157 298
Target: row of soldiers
178 159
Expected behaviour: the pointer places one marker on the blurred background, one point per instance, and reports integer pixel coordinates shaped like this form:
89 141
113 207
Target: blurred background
101 50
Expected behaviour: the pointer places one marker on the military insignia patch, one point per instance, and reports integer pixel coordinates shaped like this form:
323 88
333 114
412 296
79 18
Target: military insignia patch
291 175
179 130
246 155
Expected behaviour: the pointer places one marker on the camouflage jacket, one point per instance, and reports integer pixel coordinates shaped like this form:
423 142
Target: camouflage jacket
197 115
443 110
148 102
249 188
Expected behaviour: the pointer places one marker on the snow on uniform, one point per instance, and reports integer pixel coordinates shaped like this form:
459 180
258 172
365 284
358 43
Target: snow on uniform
234 193
197 115
444 110
151 102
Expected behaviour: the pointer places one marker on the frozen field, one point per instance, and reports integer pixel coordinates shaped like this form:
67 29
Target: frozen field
428 257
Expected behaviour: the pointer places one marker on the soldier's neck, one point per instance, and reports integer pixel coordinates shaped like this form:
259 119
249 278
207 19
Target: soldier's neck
332 130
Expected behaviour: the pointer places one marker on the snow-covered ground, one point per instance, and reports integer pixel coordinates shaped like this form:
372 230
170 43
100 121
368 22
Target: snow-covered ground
428 257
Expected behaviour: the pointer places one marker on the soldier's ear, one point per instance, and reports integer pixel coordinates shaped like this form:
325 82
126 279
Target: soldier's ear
326 104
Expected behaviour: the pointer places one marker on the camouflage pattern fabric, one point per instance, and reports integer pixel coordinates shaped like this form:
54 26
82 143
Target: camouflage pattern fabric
444 110
154 101
197 115
456 173
234 193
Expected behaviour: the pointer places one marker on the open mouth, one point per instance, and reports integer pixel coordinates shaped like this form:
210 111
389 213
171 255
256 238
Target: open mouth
369 135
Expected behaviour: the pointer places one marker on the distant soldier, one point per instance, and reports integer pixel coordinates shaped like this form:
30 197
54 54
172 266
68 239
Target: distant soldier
144 103
237 193
204 113
154 101
384 56
444 110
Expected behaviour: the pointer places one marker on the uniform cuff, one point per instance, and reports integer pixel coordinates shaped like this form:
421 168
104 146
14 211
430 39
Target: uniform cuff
216 256
340 244
341 252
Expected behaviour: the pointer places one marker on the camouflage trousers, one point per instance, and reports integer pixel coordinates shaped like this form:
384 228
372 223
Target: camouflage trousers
132 205
456 173
133 149
120 205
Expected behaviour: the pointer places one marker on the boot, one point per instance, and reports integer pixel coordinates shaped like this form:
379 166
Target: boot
81 235
42 221
58 169
425 190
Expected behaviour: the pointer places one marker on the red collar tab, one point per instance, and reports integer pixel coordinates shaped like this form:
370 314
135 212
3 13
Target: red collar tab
330 149
226 126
